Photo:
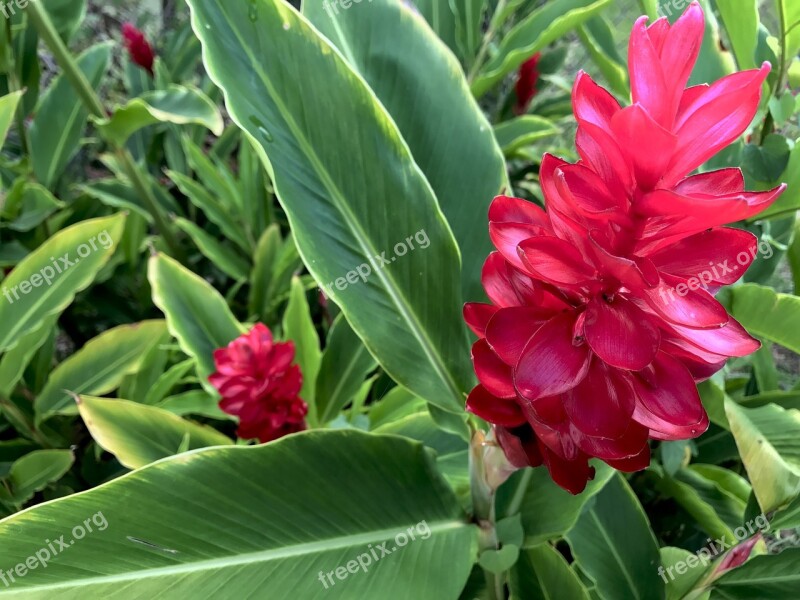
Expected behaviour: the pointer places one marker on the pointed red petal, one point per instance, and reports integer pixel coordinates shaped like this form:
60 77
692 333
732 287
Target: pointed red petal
621 334
495 410
492 372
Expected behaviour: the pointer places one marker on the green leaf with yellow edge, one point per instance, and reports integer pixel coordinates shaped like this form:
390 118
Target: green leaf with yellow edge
46 281
138 434
99 367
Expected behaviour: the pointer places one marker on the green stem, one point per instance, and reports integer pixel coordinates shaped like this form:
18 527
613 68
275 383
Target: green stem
768 120
487 40
91 100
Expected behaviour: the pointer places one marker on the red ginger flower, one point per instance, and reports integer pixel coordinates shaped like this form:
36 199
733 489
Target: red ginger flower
586 350
525 88
139 49
259 384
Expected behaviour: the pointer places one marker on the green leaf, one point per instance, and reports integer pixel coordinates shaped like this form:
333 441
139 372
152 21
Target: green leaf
442 19
789 201
469 16
679 584
298 326
597 36
61 117
532 34
714 61
197 315
345 365
543 574
67 15
398 403
450 140
408 312
452 452
13 363
195 402
740 18
33 472
789 12
217 211
8 108
21 312
499 561
548 511
613 544
523 131
716 510
767 162
262 278
262 520
764 577
767 442
36 204
177 104
168 380
99 367
138 434
771 316
227 259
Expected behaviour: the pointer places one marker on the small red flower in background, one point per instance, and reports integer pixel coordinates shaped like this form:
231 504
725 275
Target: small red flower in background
525 88
586 350
260 385
139 49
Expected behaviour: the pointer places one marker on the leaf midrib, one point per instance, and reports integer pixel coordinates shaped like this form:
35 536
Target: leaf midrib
358 541
339 201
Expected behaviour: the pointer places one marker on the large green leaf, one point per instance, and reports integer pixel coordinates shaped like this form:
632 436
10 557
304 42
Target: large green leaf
14 362
613 544
772 316
408 311
138 434
61 118
99 366
67 15
21 311
767 439
197 315
345 365
763 577
449 138
177 104
534 33
548 511
266 521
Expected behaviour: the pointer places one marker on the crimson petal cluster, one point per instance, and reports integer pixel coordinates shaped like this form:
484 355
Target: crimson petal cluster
139 49
586 350
260 385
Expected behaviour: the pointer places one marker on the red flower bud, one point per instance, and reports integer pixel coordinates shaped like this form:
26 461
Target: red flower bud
139 49
526 84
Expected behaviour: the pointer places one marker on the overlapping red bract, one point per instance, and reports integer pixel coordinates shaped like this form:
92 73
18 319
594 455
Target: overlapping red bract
259 384
586 350
139 49
526 87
